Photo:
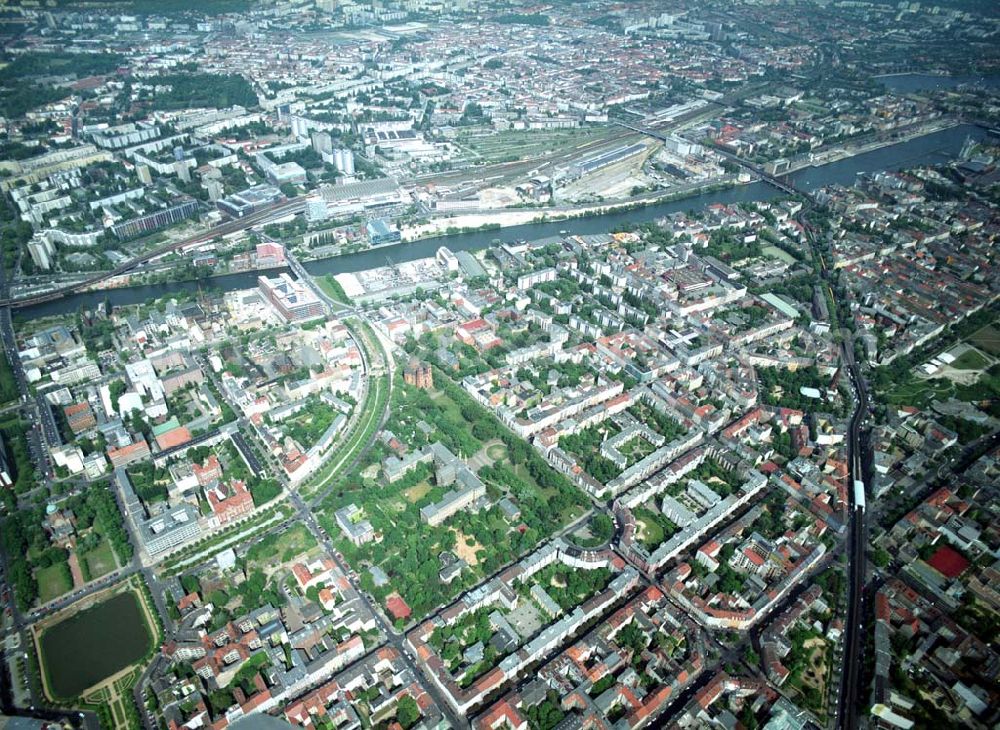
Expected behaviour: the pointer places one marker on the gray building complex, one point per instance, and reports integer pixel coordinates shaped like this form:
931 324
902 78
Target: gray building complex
449 469
158 534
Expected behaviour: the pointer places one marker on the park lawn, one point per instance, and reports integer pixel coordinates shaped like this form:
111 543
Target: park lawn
99 561
637 449
443 401
566 516
652 534
497 452
970 360
986 388
417 492
987 339
919 393
776 253
292 542
332 288
53 582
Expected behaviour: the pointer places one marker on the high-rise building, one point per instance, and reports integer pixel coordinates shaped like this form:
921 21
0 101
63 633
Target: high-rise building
215 190
42 251
343 160
321 142
183 170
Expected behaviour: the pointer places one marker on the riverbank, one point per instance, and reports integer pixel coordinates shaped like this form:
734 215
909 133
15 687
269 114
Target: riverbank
845 152
498 220
929 149
484 222
910 82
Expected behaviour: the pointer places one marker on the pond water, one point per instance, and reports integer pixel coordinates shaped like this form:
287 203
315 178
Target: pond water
94 644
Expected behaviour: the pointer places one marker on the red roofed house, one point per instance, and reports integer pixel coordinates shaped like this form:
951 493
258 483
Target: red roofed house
477 333
80 417
316 572
127 454
501 715
327 599
208 472
229 502
191 600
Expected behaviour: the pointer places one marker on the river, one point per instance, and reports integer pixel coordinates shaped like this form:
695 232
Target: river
909 83
929 149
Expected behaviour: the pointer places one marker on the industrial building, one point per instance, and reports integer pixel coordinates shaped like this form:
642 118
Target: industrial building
249 201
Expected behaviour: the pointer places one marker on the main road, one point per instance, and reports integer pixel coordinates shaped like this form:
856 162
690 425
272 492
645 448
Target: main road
858 463
854 635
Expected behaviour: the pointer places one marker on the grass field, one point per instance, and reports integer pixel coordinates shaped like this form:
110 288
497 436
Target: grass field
987 339
99 561
970 360
53 582
417 492
919 393
496 452
294 541
567 515
651 527
515 145
776 253
332 288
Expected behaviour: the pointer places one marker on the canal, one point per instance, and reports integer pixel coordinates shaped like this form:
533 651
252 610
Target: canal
932 148
94 644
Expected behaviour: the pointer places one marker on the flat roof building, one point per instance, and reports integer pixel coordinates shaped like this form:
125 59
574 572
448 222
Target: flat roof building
293 299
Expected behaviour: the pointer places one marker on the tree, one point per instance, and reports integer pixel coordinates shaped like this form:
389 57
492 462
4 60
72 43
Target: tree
117 390
881 557
407 712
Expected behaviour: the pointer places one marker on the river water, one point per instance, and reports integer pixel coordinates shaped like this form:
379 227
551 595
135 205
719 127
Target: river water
909 83
929 149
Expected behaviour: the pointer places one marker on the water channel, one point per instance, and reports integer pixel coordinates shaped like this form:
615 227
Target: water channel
932 148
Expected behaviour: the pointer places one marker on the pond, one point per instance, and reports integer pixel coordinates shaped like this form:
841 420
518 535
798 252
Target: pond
94 644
